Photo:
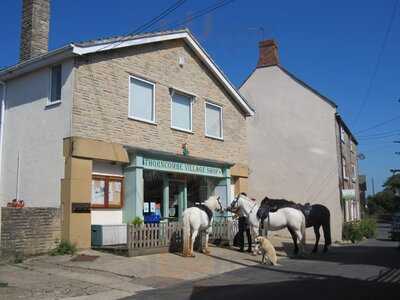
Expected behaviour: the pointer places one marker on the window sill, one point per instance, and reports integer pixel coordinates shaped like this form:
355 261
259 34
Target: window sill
53 104
215 138
182 130
143 121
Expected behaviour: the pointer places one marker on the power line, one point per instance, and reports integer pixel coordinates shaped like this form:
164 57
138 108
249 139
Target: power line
378 62
197 14
378 134
378 124
379 137
148 24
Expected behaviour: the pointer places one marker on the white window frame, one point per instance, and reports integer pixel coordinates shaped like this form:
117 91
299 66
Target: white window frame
342 135
221 122
354 177
130 113
192 98
49 102
344 169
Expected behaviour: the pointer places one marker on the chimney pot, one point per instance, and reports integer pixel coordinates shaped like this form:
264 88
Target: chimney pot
34 28
268 54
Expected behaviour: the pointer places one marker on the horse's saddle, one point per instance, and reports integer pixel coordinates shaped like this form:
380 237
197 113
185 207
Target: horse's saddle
206 210
306 209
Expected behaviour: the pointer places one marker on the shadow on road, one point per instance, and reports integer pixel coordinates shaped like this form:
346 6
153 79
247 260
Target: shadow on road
362 254
309 288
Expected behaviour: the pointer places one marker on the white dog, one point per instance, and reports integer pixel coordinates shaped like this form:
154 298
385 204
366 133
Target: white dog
267 249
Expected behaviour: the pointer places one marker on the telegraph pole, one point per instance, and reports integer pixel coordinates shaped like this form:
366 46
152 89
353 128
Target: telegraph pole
373 186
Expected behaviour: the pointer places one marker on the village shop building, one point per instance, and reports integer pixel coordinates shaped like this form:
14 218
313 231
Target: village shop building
104 131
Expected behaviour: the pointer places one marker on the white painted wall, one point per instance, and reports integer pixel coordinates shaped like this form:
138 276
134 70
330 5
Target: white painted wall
36 133
292 143
101 216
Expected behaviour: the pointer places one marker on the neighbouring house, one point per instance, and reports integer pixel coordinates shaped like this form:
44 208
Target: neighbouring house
105 131
362 184
348 171
292 138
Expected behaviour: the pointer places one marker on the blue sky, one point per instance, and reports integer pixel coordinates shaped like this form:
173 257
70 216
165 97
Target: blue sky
332 45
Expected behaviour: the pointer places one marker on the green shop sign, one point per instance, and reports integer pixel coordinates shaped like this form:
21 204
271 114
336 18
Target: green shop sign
180 167
348 194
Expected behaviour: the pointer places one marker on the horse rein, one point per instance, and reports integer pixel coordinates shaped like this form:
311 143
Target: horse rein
219 203
234 202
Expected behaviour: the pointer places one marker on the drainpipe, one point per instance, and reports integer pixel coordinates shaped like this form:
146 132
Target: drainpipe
2 111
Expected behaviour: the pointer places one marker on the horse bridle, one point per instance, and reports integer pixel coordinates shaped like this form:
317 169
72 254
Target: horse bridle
219 203
234 202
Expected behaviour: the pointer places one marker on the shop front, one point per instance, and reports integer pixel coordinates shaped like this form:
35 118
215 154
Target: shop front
160 186
107 186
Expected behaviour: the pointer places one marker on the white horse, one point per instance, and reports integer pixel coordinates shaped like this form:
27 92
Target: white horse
288 217
196 219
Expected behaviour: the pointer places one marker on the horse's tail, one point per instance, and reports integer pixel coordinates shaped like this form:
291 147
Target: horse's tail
186 235
326 227
303 229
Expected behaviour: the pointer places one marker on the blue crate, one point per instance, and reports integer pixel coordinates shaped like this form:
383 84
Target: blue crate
151 218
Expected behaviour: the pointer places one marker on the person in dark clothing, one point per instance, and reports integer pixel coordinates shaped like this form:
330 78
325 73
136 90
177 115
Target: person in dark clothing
243 226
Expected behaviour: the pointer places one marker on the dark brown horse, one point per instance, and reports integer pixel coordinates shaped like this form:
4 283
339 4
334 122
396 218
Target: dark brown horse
316 215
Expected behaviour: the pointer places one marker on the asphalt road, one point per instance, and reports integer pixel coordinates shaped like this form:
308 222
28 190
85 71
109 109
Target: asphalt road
368 270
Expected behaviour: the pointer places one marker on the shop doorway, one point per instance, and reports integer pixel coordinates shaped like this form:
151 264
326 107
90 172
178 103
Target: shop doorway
169 194
177 201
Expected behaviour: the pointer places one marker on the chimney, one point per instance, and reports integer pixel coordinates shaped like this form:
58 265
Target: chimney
268 54
35 28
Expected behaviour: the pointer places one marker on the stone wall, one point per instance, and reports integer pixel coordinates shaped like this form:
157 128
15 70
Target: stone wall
29 231
35 28
100 108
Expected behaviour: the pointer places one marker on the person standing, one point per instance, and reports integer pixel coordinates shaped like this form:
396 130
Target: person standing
244 227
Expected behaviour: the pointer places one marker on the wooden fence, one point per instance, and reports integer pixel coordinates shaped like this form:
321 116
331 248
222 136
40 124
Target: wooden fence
224 231
154 238
168 237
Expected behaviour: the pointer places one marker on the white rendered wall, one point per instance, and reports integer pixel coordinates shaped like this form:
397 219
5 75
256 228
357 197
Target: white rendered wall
292 143
35 132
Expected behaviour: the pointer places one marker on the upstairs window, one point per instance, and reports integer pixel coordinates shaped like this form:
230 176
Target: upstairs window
55 87
354 170
342 135
181 111
141 100
344 168
214 122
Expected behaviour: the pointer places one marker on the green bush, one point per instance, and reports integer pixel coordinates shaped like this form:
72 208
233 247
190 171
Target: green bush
137 221
368 227
357 230
63 248
352 232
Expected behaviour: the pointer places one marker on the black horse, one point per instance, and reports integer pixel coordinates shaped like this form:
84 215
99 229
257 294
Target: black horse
316 215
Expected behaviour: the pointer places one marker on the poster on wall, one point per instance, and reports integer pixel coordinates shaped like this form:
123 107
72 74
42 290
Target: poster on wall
146 207
98 190
152 207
